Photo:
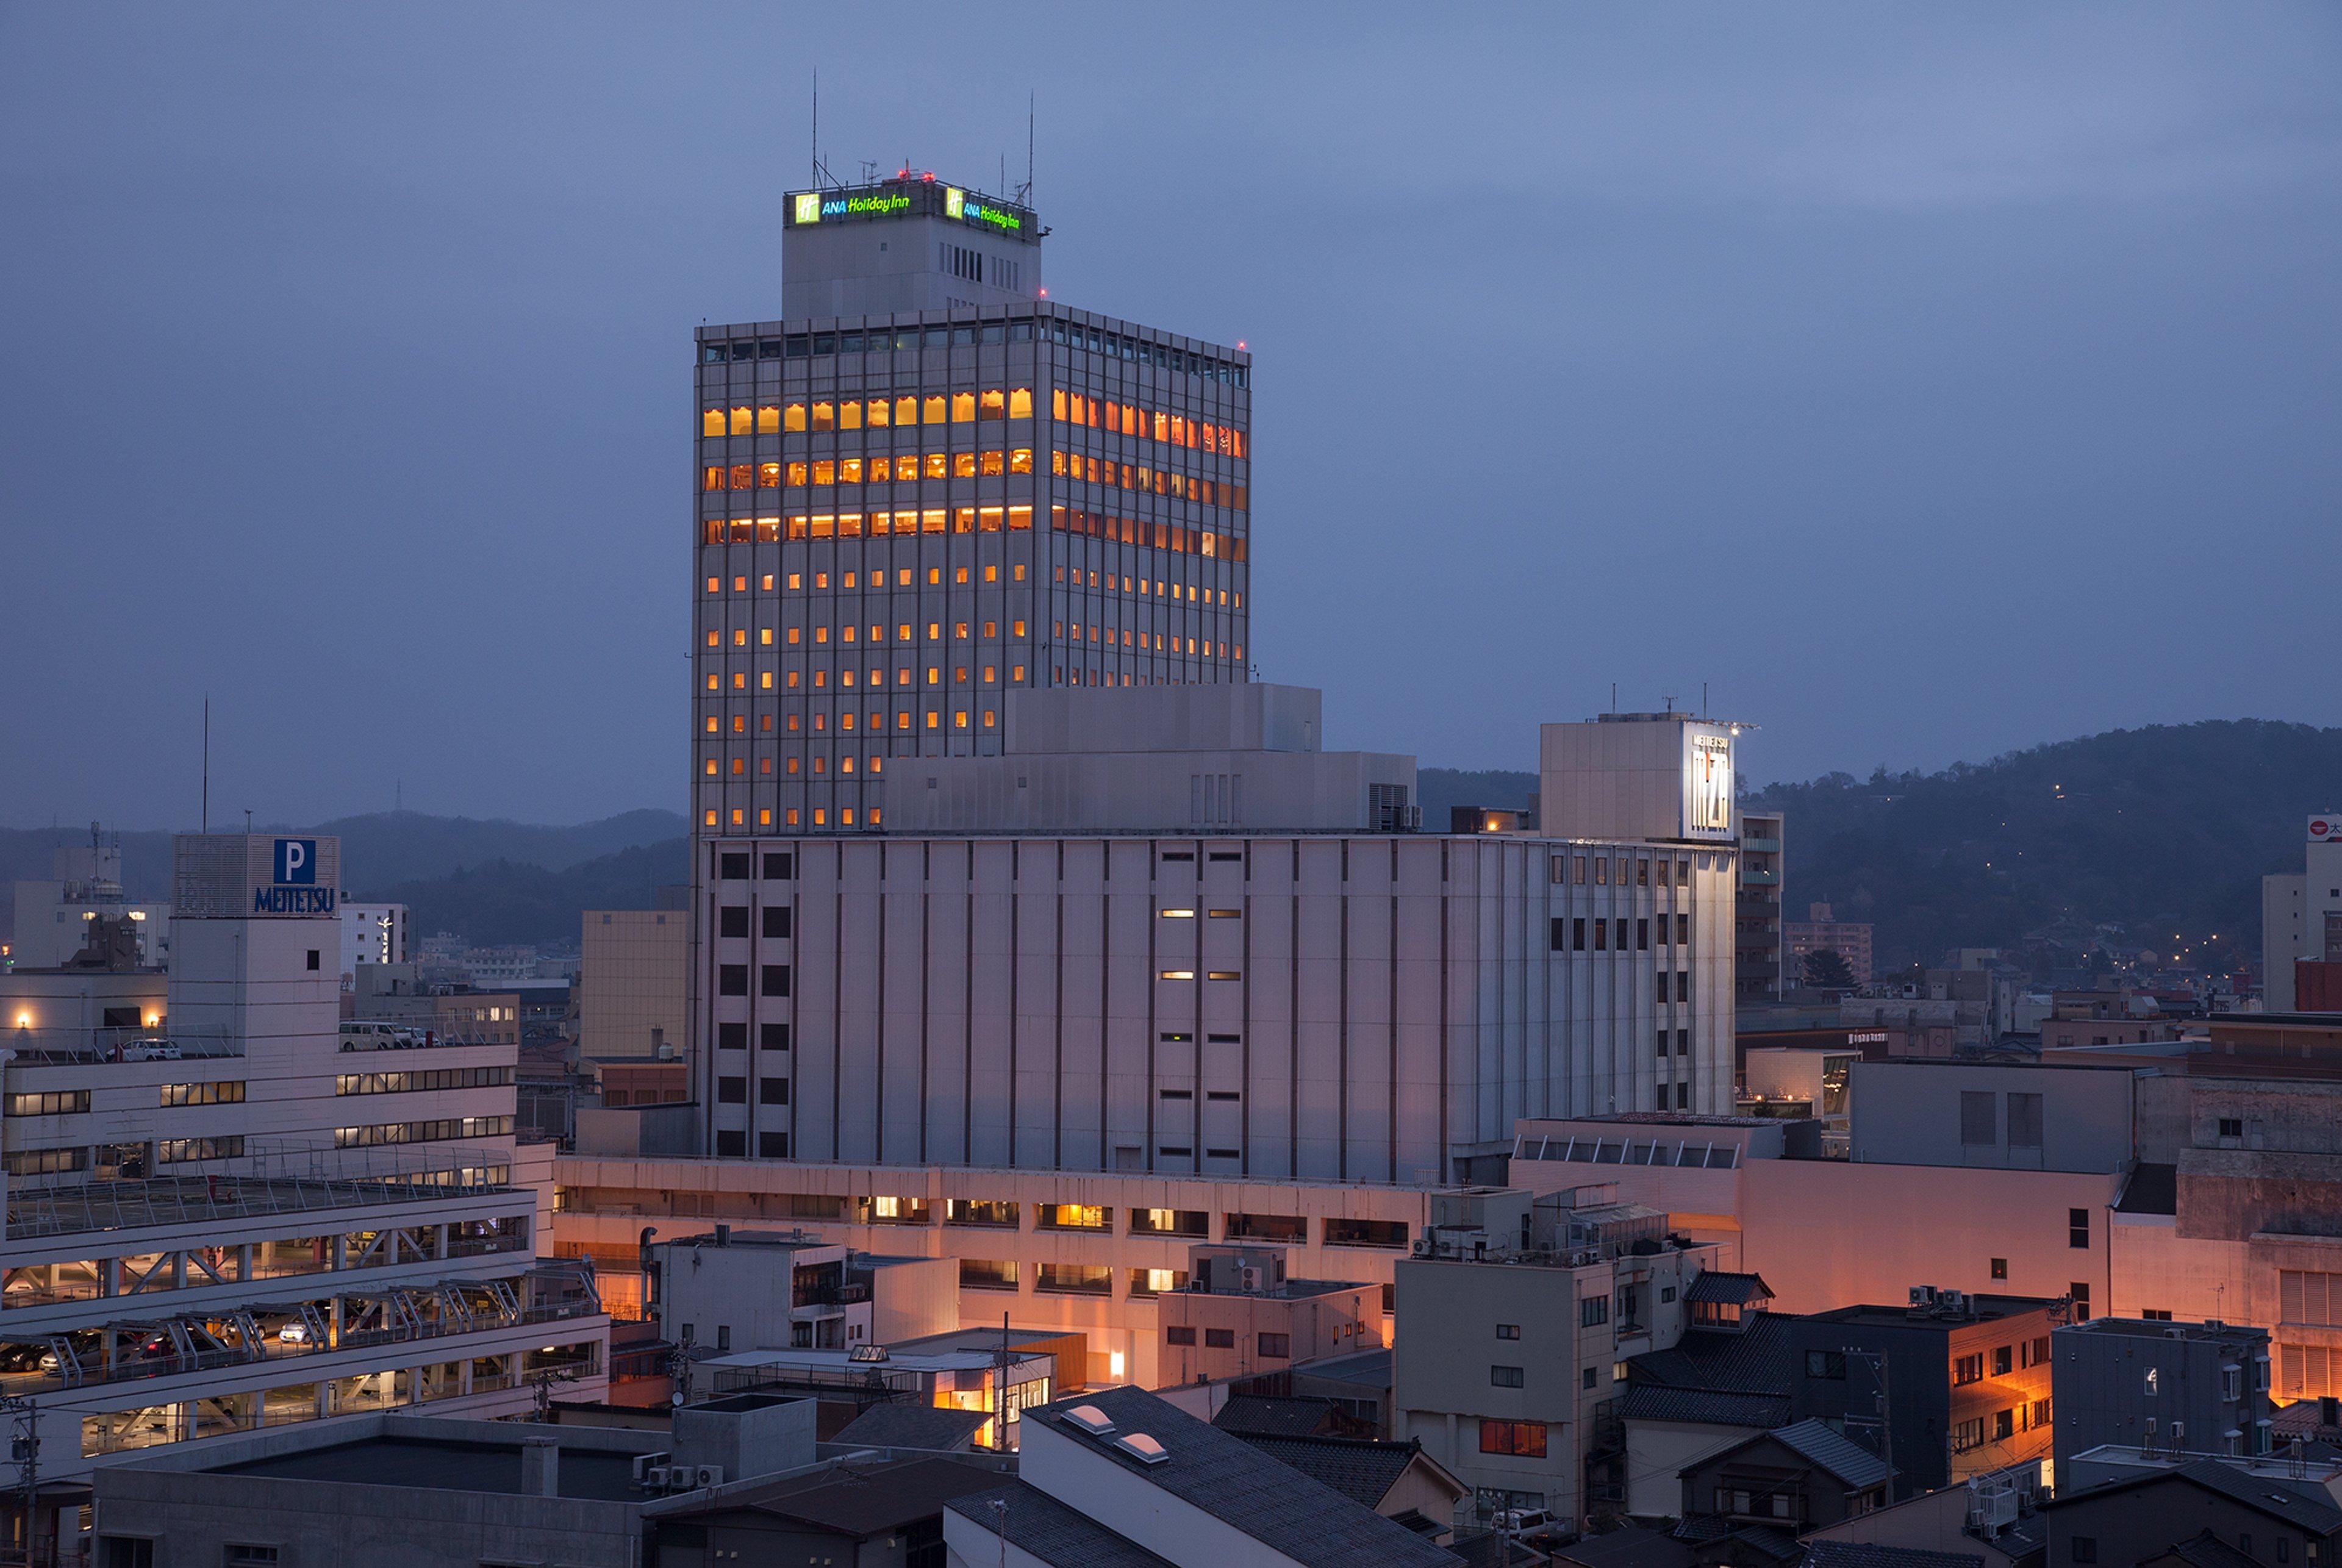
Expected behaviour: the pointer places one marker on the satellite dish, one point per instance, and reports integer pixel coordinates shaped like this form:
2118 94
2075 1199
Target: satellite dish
675 1398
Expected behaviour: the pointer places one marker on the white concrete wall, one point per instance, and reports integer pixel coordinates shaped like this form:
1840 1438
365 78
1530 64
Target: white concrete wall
1390 1002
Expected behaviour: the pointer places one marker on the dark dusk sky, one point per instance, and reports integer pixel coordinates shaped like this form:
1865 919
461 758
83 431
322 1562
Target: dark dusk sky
1929 381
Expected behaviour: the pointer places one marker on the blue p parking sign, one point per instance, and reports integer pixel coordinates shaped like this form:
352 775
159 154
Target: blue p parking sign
297 860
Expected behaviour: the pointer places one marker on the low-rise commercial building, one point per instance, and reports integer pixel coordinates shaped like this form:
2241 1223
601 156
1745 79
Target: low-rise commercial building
1235 1312
1085 1253
1945 1389
728 1289
1508 1349
2181 1388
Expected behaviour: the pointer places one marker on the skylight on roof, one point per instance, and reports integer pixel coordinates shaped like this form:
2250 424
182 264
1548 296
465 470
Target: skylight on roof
1090 1419
1143 1448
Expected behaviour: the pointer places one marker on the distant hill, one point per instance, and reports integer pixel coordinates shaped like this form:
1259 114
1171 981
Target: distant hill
503 900
2162 831
2158 831
379 851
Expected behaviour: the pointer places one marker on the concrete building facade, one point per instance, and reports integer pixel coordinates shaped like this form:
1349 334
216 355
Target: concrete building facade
1765 960
253 1220
632 984
2301 912
1508 1358
1078 1252
1336 1007
372 934
52 916
1822 932
2182 1388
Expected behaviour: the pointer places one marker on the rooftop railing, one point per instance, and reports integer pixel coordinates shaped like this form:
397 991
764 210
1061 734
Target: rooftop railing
281 1182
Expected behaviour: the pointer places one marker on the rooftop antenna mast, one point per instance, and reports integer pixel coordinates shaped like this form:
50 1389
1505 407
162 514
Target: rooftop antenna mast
1025 192
207 826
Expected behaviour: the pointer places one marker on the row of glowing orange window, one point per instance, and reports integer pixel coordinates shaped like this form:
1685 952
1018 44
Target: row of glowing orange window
877 413
966 407
820 816
1145 588
866 470
1176 538
1148 642
911 466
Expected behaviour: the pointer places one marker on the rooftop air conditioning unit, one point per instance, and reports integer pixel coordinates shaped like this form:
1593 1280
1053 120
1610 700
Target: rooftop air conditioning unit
707 1475
1922 1295
657 1476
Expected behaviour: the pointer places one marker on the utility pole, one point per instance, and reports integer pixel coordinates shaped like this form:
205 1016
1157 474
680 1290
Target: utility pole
1000 1382
1877 1359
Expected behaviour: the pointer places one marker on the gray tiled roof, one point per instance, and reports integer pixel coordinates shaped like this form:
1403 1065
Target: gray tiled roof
1225 1476
1716 1287
1633 1547
2208 1551
1360 1468
2306 1505
1710 1407
1040 1524
903 1424
1832 1450
1865 1554
1754 1358
1777 1544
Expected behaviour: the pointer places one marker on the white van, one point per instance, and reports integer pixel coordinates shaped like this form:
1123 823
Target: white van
367 1034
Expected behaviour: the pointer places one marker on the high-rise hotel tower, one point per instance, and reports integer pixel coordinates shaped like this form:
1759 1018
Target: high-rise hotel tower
931 485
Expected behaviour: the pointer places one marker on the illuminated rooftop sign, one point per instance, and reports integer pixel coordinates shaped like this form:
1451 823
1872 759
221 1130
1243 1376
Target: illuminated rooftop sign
912 197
